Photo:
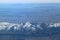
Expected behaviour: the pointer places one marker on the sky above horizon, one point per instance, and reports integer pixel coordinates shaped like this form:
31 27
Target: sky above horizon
29 1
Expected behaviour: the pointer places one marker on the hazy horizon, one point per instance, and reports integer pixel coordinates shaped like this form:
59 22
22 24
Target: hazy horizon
30 12
29 1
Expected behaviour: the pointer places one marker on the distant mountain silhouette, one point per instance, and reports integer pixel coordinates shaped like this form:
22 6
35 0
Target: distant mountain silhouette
28 28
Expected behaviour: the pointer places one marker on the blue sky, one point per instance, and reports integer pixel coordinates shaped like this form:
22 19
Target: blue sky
29 1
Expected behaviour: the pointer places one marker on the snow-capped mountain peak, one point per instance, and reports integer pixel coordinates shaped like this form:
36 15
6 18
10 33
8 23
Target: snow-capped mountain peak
27 24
